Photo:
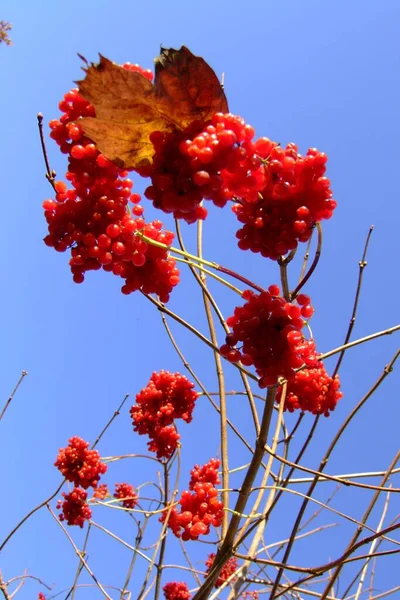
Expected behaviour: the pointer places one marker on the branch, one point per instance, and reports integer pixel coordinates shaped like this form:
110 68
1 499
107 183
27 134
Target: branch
11 396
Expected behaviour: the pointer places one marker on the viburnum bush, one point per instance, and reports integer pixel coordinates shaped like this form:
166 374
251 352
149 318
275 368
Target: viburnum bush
173 132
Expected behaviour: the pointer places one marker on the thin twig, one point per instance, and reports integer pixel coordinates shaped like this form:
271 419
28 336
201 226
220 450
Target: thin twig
313 264
388 368
225 551
50 174
162 308
362 264
357 533
367 338
221 386
3 588
80 565
114 416
215 306
159 564
372 549
11 396
78 553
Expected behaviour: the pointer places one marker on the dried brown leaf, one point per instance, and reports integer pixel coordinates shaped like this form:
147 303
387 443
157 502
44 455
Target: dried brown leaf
129 107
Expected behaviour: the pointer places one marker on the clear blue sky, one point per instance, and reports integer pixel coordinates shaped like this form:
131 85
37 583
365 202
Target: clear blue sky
321 74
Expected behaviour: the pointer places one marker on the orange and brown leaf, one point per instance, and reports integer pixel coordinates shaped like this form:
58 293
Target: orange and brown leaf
129 107
5 28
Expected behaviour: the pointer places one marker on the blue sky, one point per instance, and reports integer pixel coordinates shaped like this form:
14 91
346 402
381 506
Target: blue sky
321 74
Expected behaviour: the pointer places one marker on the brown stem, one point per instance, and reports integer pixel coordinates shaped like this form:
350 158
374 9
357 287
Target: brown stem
114 416
50 174
80 565
159 565
388 368
3 588
357 533
362 264
225 551
11 396
313 264
213 303
239 277
221 386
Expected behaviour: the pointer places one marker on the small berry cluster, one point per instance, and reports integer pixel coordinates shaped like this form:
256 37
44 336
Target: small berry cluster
167 397
126 493
75 509
227 570
213 161
101 491
84 468
93 218
295 197
313 390
79 464
270 329
41 596
205 473
250 595
176 590
200 507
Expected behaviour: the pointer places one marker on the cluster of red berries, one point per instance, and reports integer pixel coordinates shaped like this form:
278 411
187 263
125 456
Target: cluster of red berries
79 464
167 397
127 494
207 473
84 468
93 218
227 570
270 329
199 506
250 595
41 596
213 161
74 507
176 590
101 491
313 390
295 197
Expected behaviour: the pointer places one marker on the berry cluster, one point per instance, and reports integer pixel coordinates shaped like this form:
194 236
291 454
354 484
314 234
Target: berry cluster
227 570
126 493
213 161
79 464
176 590
101 491
200 507
41 596
167 397
207 473
270 330
313 390
75 509
93 218
295 197
250 595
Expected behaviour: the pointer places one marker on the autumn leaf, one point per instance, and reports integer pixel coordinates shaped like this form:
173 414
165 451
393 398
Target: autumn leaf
129 107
